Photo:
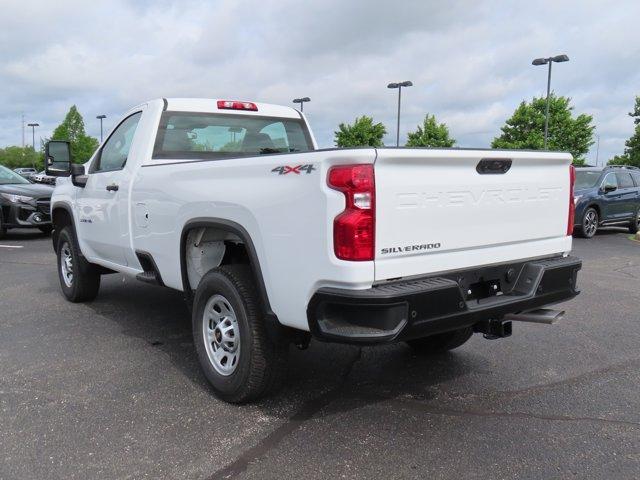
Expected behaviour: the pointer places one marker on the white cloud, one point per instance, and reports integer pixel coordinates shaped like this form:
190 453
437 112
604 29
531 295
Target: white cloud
469 61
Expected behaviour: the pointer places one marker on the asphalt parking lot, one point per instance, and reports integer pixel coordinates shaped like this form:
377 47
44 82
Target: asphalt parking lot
112 389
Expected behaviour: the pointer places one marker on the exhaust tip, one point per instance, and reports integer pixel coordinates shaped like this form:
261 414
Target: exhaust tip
541 315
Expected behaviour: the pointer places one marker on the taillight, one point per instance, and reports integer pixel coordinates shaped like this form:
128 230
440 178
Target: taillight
235 105
572 204
354 229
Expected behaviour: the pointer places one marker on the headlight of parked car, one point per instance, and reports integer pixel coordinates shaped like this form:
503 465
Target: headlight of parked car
17 198
576 198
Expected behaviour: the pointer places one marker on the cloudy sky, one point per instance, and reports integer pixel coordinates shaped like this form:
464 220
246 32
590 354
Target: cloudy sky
470 61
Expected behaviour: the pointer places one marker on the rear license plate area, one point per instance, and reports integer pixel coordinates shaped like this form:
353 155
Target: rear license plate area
483 289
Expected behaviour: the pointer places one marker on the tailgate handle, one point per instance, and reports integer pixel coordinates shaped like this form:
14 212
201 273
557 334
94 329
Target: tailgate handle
493 166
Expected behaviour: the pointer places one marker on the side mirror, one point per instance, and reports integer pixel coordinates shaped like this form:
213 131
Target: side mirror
610 188
57 154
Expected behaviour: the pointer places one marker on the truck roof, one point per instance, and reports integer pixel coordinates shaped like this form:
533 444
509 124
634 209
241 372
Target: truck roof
210 105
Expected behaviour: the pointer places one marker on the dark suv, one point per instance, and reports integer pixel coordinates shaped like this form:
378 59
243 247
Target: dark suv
607 196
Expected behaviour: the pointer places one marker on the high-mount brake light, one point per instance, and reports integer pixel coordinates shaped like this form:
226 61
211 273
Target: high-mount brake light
354 228
572 204
236 105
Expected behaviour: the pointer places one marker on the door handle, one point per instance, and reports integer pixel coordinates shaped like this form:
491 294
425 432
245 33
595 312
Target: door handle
112 188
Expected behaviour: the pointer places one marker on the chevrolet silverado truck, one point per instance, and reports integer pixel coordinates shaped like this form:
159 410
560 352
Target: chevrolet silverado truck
274 241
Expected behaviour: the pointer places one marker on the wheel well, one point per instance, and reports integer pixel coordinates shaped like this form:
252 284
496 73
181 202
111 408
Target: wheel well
225 243
215 242
60 217
206 248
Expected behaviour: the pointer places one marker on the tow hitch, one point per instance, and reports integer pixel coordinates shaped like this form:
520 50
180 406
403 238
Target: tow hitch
494 329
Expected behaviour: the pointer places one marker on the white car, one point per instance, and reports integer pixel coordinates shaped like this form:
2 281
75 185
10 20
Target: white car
274 241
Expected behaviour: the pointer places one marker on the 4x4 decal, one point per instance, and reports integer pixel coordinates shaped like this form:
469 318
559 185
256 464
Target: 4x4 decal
297 169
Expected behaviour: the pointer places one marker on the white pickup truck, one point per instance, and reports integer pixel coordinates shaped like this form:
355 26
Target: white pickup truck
274 241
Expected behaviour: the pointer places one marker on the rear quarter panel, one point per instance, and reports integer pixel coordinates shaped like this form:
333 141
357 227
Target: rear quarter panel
288 216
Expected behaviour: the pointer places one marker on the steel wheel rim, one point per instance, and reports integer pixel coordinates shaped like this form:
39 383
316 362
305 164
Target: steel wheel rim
591 223
221 335
66 264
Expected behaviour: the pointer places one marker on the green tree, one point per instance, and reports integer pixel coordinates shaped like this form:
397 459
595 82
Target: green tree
525 128
430 134
631 154
14 157
72 129
362 133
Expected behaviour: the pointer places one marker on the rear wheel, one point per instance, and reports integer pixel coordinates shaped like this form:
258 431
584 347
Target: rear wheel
238 358
441 342
634 226
79 279
589 225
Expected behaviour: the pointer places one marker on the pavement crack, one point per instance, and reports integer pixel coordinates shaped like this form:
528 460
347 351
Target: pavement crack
616 367
307 411
422 408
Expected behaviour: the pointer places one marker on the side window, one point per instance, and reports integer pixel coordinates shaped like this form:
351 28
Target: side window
636 177
116 150
624 180
610 180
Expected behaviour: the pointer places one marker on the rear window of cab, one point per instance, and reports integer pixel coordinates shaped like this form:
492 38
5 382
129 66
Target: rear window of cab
189 135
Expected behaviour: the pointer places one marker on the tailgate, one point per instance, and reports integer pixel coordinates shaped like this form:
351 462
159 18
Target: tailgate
435 211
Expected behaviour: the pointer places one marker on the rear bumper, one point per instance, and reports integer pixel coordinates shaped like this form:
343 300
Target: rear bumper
425 306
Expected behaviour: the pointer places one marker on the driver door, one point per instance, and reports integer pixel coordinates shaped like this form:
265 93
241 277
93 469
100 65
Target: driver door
103 212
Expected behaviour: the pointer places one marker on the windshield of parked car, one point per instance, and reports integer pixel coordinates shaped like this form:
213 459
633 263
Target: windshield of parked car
586 178
210 135
7 177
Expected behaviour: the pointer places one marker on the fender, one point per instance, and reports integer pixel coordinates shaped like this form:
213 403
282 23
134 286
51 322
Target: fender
241 232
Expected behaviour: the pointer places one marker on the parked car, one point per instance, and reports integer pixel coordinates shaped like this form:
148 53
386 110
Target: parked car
42 177
25 172
605 197
23 204
273 240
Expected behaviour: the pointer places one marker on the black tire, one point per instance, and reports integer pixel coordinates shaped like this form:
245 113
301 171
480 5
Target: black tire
260 365
3 229
441 342
84 283
46 229
589 224
634 226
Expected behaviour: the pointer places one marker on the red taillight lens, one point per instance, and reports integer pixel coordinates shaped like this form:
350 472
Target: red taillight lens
235 105
354 229
572 204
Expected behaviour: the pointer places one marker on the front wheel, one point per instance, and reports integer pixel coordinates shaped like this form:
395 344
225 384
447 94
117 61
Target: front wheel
237 356
589 225
3 229
634 226
79 279
441 342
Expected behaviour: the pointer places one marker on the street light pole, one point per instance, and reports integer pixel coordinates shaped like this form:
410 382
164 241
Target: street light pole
399 86
301 102
548 61
33 137
101 117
